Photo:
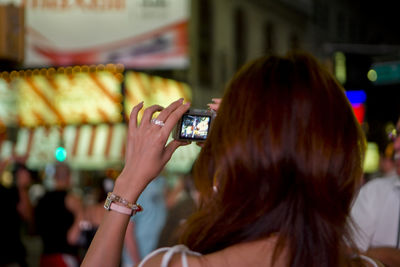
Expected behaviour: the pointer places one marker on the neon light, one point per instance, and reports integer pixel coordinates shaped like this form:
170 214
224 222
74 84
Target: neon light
356 96
60 154
340 67
359 112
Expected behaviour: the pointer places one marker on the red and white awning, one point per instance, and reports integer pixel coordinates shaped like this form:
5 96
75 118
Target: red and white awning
90 147
87 146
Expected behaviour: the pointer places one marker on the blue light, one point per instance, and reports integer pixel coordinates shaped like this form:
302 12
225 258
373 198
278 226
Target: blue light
60 154
356 96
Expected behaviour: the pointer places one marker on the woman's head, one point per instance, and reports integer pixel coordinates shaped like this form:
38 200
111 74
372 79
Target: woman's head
285 152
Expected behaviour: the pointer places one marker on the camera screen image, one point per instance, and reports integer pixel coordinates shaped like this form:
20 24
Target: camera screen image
195 127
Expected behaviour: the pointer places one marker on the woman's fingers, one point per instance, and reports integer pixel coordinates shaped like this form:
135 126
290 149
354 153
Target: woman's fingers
215 105
174 117
171 147
163 116
148 113
147 150
169 116
133 116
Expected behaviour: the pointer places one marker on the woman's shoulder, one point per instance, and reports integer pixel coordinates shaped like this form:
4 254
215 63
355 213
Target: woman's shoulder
370 261
176 256
252 253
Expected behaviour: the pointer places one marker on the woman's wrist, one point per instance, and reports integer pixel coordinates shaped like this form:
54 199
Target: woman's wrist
129 187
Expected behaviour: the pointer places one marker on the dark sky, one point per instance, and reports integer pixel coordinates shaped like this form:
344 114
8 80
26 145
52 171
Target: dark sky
387 14
383 101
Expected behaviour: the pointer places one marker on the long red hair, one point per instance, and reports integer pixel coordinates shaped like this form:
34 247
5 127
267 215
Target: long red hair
286 154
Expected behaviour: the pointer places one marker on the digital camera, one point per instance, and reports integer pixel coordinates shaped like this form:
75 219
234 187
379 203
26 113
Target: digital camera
194 125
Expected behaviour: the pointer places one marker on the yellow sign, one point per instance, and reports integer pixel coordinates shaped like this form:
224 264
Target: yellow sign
69 99
152 90
8 114
161 91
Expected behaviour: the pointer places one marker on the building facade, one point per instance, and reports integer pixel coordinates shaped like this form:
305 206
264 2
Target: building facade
224 34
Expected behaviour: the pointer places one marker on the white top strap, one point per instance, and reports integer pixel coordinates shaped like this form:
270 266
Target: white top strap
170 251
368 259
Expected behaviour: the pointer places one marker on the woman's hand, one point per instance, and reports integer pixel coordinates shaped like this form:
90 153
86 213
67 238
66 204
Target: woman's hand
146 149
147 153
215 105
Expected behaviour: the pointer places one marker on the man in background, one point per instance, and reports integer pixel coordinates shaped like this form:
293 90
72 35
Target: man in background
376 213
57 215
16 210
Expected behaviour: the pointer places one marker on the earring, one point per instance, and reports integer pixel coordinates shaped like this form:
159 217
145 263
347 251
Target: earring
215 182
215 189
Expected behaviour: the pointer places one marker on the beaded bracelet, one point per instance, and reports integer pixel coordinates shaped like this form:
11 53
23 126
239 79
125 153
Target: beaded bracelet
111 197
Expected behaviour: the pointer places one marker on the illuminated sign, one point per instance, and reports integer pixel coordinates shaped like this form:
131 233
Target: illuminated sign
81 108
60 153
157 90
357 99
371 161
138 33
8 100
340 67
385 73
84 147
152 90
69 98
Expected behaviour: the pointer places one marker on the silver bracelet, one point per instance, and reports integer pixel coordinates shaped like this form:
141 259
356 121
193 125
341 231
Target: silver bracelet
111 197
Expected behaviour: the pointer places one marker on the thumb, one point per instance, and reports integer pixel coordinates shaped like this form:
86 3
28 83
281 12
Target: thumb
171 147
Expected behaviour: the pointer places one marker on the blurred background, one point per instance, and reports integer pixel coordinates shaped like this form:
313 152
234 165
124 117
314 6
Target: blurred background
71 70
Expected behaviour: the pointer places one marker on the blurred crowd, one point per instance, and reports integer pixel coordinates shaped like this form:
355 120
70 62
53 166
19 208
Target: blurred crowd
49 219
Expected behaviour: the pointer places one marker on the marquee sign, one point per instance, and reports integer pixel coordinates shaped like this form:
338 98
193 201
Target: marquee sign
68 99
152 90
138 33
90 147
81 108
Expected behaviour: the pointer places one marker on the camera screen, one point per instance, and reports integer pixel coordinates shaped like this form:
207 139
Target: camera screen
195 126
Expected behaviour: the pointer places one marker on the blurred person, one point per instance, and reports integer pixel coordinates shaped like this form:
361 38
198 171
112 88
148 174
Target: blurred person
143 232
57 215
24 178
376 212
93 212
16 210
387 163
276 177
181 202
386 167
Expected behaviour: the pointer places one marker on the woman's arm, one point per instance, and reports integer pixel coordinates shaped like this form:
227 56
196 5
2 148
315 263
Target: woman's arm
146 155
130 242
390 257
74 205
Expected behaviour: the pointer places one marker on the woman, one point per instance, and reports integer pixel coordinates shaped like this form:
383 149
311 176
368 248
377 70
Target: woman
276 177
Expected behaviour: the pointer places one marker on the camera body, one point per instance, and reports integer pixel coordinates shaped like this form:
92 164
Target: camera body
194 125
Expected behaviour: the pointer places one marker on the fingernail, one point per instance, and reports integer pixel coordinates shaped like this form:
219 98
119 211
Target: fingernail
180 99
